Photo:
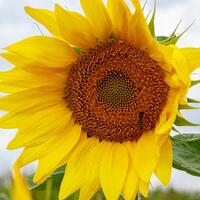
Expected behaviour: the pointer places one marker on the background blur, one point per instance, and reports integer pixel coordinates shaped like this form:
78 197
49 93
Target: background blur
16 25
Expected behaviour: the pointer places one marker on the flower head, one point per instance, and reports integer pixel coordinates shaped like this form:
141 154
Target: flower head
101 96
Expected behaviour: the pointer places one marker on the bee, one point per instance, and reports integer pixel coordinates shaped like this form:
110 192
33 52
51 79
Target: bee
140 124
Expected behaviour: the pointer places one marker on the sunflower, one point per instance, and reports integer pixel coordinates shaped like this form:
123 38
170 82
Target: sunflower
100 96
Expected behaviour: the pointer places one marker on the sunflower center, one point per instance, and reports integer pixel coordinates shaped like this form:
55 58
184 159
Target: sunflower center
116 92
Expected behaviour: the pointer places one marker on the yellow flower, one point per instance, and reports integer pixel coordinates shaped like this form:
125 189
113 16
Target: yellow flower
101 96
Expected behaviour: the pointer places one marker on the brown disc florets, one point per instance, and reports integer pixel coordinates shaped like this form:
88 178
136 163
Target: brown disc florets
116 92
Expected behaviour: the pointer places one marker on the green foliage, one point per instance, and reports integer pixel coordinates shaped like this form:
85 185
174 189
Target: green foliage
5 185
49 190
172 195
186 153
51 185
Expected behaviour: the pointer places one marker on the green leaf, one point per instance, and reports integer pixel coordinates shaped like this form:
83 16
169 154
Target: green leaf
183 122
186 151
56 176
99 196
50 187
152 21
193 83
40 191
192 100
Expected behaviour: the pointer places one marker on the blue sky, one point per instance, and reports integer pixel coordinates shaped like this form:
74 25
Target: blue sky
16 25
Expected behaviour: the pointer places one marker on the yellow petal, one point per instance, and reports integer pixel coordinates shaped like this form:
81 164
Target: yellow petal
10 88
139 34
162 54
173 61
131 184
20 188
31 98
147 155
144 188
91 177
63 146
75 28
181 67
168 114
89 189
15 59
120 16
46 18
98 17
23 117
40 126
77 168
113 169
37 151
30 65
164 167
192 56
21 78
19 118
49 51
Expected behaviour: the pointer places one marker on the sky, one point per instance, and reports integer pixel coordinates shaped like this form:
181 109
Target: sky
16 25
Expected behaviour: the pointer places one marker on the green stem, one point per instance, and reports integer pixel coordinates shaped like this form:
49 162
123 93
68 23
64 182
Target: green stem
48 189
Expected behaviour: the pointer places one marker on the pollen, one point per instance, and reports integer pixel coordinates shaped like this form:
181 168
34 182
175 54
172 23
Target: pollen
116 92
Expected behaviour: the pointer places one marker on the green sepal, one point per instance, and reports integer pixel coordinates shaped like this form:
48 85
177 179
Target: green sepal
144 6
193 83
169 40
173 39
176 28
161 38
174 129
186 107
186 151
78 50
183 122
152 21
192 100
148 14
